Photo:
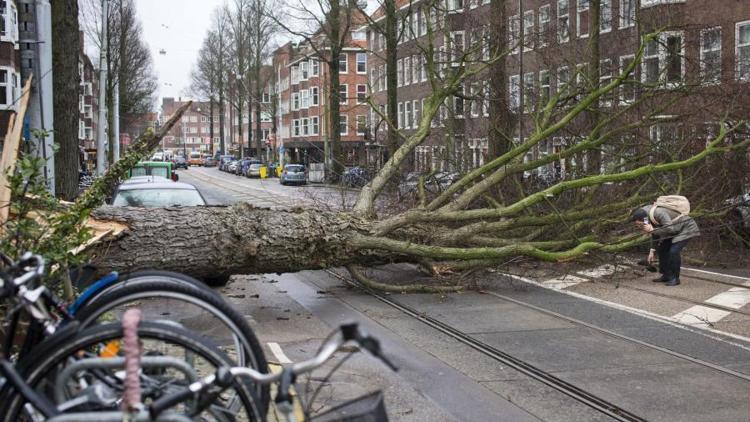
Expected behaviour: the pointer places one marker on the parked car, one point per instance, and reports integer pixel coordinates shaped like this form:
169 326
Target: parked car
224 160
180 162
244 165
156 194
158 156
145 179
355 177
195 159
231 166
293 174
209 162
153 168
253 169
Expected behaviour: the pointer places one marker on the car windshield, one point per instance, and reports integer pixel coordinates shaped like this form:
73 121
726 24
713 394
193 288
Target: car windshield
295 169
138 171
159 171
154 198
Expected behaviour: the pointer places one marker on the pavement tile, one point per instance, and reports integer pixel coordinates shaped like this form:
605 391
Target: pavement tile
662 392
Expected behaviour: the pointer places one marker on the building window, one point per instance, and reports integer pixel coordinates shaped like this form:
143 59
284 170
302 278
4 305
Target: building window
304 99
417 113
544 25
422 22
514 34
582 18
485 94
304 70
605 77
664 60
563 21
627 13
475 99
416 63
711 55
343 63
458 103
362 63
361 94
400 72
343 94
361 124
455 5
528 92
400 117
296 127
528 30
344 124
315 126
605 21
627 89
314 96
456 46
544 87
305 126
407 71
514 89
8 21
407 115
742 53
381 78
315 67
295 101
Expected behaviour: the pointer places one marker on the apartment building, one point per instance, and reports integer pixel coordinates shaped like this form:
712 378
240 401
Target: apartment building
193 131
10 62
302 89
692 69
88 107
244 133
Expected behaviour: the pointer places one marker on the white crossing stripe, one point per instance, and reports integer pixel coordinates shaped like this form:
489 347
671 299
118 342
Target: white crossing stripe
734 298
604 270
276 350
563 282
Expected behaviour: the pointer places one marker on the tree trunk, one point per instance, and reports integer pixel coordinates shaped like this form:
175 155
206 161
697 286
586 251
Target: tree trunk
391 53
65 53
220 241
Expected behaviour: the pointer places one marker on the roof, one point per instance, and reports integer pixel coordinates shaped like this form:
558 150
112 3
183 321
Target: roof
157 185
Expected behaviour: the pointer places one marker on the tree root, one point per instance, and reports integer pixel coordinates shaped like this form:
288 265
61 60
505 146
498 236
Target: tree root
368 282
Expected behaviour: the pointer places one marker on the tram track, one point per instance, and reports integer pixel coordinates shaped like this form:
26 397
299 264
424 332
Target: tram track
589 399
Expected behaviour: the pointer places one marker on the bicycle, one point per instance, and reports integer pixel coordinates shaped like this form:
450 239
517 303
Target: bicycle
27 384
112 294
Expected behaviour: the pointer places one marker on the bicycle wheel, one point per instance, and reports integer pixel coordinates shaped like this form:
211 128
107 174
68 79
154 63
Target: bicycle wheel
42 367
189 305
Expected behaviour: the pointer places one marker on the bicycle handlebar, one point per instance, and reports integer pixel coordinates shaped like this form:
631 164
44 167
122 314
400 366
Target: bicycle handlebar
225 376
33 267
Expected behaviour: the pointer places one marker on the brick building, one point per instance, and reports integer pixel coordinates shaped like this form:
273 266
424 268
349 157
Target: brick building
88 107
697 69
301 86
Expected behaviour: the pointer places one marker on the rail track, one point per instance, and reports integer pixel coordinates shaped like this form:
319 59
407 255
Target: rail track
589 399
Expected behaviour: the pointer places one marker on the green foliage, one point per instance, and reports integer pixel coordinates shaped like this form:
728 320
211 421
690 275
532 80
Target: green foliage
38 222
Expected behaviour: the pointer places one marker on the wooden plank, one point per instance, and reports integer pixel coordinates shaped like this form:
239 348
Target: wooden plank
10 152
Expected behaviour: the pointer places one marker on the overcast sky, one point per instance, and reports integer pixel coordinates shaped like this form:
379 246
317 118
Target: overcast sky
178 27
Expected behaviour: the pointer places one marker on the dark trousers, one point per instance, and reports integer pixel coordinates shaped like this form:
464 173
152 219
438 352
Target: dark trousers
669 258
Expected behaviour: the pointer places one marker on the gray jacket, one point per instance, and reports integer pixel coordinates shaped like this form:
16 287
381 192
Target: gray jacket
682 229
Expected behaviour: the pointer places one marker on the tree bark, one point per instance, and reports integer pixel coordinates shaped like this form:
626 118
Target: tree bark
65 53
215 242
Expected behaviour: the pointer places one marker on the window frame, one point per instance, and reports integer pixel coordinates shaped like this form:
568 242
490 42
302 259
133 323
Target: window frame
560 17
345 57
716 79
629 20
344 99
737 57
359 62
344 120
364 99
544 25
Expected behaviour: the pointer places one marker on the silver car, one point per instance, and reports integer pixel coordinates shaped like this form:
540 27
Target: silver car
157 194
293 174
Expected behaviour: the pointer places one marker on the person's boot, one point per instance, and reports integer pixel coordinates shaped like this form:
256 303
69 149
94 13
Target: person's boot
674 282
661 279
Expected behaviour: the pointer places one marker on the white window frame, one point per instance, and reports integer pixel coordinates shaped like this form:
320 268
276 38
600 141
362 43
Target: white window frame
662 56
624 62
344 120
605 77
529 97
542 85
528 30
314 96
606 12
362 62
400 116
314 125
296 129
407 115
345 58
514 92
305 126
455 6
407 71
364 87
737 56
416 61
295 101
475 105
514 33
563 17
582 6
343 99
544 25
486 98
416 114
649 3
703 50
314 67
628 21
364 126
399 73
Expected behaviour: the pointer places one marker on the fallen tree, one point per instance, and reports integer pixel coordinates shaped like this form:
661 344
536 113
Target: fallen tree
492 214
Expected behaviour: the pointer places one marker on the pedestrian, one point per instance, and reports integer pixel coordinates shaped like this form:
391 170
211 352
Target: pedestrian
670 227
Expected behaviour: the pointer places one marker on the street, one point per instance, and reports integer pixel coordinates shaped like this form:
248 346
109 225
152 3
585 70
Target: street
534 345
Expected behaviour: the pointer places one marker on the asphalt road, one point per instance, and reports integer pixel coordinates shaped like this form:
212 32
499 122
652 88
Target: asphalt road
668 354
